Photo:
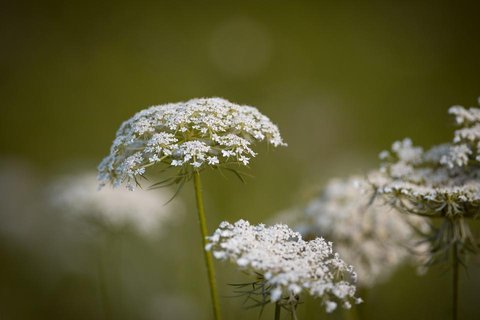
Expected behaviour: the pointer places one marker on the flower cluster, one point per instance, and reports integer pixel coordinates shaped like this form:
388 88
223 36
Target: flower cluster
371 236
79 194
288 263
441 182
467 138
192 135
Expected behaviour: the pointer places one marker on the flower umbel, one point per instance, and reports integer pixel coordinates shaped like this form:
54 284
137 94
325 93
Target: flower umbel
191 135
443 183
288 264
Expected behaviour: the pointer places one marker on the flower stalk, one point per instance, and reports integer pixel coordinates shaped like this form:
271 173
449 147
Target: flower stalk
455 278
278 309
208 256
441 182
190 136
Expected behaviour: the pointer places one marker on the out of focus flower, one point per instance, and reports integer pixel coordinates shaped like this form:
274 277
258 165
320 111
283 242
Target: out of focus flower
79 194
367 234
289 265
192 135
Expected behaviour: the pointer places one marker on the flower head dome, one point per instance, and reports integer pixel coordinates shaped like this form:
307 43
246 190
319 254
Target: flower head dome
199 133
369 235
289 264
443 181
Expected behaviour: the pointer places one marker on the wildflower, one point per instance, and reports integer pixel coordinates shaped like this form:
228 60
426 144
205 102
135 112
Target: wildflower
369 235
288 264
192 136
79 194
195 134
443 183
440 182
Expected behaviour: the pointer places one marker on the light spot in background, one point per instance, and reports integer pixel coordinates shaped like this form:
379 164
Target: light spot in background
240 47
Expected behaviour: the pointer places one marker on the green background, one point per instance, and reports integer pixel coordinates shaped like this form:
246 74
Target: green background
342 79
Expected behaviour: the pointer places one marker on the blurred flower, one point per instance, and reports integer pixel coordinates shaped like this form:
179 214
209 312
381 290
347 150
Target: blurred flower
371 236
288 264
29 224
191 135
79 194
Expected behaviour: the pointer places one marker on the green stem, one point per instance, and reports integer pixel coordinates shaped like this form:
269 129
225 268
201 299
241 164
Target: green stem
208 256
278 309
104 298
294 313
455 281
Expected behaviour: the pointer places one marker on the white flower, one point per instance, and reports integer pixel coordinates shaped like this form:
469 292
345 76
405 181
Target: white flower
330 306
227 153
289 264
442 182
79 194
244 160
186 133
371 236
464 116
466 139
196 164
456 156
213 161
384 155
177 163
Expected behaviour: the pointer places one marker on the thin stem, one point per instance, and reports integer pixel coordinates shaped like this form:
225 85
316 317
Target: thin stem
208 256
104 298
455 281
278 309
294 313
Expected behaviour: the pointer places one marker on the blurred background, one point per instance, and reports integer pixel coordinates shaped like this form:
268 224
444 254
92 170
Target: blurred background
342 80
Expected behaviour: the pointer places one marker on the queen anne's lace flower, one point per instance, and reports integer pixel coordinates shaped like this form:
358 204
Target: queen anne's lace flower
79 194
371 236
441 182
193 135
289 264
